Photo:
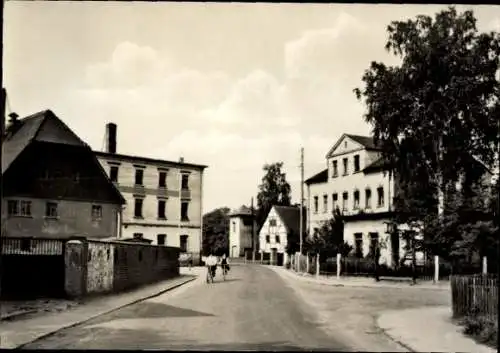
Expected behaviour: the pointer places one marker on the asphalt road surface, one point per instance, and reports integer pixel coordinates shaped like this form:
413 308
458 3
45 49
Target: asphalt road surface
254 309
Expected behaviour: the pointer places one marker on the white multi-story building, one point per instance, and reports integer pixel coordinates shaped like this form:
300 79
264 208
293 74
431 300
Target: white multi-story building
242 231
164 198
357 182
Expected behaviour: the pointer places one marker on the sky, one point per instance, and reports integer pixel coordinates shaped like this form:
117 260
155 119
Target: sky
232 86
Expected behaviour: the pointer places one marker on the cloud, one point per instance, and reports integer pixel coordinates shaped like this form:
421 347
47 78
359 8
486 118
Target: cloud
236 125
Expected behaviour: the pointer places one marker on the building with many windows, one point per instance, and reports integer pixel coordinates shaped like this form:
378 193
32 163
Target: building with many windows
242 229
163 198
357 182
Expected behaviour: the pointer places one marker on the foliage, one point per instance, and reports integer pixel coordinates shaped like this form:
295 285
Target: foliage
434 115
328 241
293 242
482 329
273 191
216 231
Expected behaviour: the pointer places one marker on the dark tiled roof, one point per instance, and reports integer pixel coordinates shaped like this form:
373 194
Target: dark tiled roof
241 211
321 177
18 137
377 165
290 216
139 159
366 141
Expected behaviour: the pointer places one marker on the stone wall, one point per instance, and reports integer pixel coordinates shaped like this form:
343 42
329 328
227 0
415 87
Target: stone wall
100 258
94 267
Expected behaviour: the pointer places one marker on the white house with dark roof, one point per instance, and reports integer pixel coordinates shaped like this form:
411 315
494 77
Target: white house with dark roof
241 230
356 182
282 222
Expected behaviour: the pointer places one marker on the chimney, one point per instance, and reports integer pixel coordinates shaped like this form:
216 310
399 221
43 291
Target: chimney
13 118
181 160
111 138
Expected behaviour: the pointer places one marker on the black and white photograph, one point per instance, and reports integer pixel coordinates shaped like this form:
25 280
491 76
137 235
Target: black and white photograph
225 176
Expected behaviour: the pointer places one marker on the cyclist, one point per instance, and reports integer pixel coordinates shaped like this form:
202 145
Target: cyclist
224 263
211 263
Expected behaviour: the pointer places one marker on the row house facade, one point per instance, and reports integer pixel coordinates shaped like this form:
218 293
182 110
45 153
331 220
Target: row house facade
163 198
358 183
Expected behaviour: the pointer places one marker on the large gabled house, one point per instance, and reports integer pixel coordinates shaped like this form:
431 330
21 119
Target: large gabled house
281 224
357 182
53 185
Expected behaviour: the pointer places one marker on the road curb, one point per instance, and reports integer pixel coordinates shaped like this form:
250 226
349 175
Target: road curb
13 316
390 336
359 285
188 280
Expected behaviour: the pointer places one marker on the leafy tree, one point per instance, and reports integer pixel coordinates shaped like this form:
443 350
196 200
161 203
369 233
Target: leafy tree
328 241
273 191
434 113
216 231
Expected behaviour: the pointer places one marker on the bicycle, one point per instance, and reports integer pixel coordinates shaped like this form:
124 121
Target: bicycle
210 277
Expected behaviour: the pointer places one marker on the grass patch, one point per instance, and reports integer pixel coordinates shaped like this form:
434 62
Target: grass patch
482 329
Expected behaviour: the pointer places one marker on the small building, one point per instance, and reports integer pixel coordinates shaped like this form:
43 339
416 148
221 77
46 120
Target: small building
241 231
281 224
163 198
53 185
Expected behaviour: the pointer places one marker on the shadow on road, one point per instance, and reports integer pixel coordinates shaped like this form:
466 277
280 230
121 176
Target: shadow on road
151 310
228 280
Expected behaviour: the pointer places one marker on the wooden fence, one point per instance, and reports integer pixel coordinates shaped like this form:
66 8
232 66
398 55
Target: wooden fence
475 295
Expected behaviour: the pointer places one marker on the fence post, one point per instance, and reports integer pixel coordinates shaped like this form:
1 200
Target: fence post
436 269
253 256
317 265
338 265
485 265
307 263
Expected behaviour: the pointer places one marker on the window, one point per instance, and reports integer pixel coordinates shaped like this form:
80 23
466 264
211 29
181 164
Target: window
316 230
138 208
315 204
268 239
356 200
277 239
325 203
161 209
19 208
161 239
162 179
335 199
356 163
358 243
345 198
368 198
51 209
96 212
380 195
272 222
373 243
113 173
345 165
185 182
139 176
183 244
335 171
184 211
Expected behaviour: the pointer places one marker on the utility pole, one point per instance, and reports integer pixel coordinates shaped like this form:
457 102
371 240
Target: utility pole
253 230
301 196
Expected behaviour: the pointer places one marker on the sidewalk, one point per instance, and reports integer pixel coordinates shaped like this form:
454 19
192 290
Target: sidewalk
361 281
17 333
428 329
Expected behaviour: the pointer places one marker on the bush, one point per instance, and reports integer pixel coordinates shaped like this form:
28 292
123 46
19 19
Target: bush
481 328
288 265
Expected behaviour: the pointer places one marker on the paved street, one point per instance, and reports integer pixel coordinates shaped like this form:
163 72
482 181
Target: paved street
255 309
